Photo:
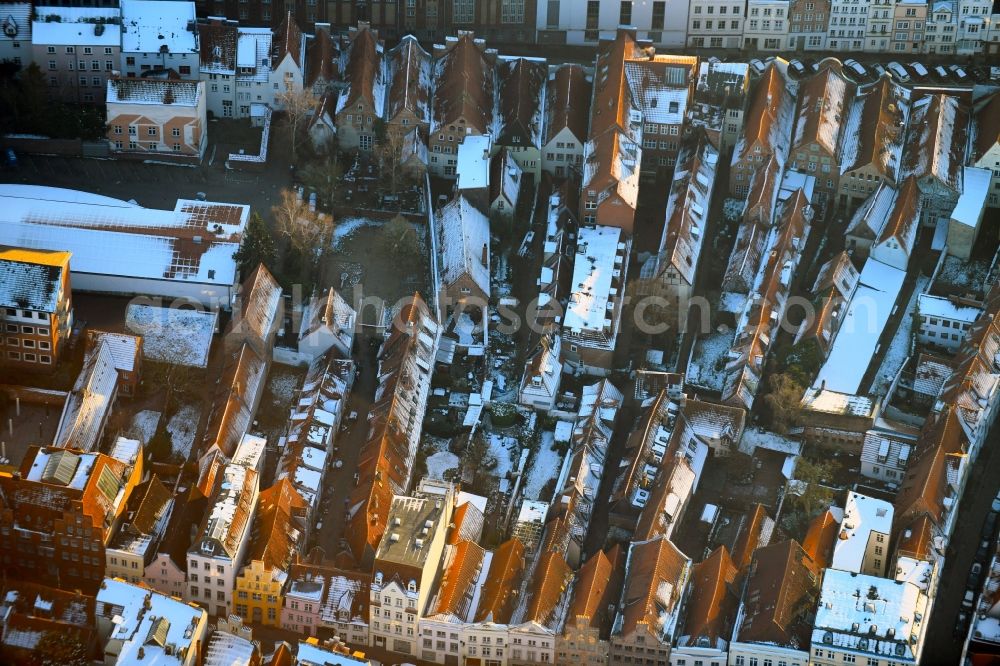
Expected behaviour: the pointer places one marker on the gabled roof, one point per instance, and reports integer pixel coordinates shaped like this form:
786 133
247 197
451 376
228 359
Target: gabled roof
598 585
821 537
499 596
226 520
875 127
712 605
462 562
661 86
217 43
611 164
926 484
15 22
752 536
287 41
31 279
612 99
232 407
464 86
780 597
936 140
915 539
259 307
278 525
409 80
363 73
657 573
154 500
465 240
520 90
769 117
83 418
988 127
567 102
823 100
321 58
904 217
551 581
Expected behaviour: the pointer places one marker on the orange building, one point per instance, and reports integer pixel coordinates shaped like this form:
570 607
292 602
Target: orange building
36 308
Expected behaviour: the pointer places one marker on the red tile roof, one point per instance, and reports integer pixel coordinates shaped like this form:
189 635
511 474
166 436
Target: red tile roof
499 595
712 605
567 102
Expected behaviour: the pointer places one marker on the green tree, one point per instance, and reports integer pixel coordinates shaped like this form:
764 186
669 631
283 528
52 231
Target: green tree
57 648
815 495
257 248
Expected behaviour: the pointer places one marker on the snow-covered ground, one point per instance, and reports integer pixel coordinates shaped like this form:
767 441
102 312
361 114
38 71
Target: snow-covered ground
182 428
899 348
959 276
441 462
503 449
754 438
707 367
344 228
544 467
171 335
144 424
282 386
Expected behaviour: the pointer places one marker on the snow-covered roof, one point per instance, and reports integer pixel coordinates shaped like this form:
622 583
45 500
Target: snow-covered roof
866 317
253 50
464 232
161 92
611 160
15 22
874 128
227 649
532 512
150 25
123 347
363 72
312 654
194 242
521 99
473 165
164 628
832 402
936 140
871 615
76 26
863 516
822 111
945 308
661 89
409 75
32 280
227 520
250 451
172 335
598 265
86 407
972 201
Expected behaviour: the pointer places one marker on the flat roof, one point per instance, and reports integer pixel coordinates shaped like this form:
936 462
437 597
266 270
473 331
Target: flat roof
149 25
594 270
473 165
77 26
409 530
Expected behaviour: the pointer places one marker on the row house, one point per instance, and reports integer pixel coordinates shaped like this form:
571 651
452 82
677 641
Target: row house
940 34
986 146
715 24
223 539
832 292
30 611
143 527
77 49
385 462
464 242
60 513
674 269
657 574
258 313
405 567
361 104
661 22
909 23
884 228
265 14
158 35
848 25
318 595
879 25
567 111
540 616
517 125
613 153
591 613
36 307
277 537
816 147
886 454
126 355
873 140
408 95
88 406
778 607
328 325
557 258
765 307
935 152
753 235
767 25
766 132
662 87
463 104
862 544
592 318
15 36
322 63
944 321
235 401
235 66
710 611
836 419
148 118
542 374
720 102
973 22
808 22
288 60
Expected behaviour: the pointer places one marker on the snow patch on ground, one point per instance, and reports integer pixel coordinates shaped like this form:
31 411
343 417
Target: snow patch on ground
182 428
282 386
754 438
732 209
544 467
502 449
958 276
899 348
144 424
348 226
441 462
708 367
172 335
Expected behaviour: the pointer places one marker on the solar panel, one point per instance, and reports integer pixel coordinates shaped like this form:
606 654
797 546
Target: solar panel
60 468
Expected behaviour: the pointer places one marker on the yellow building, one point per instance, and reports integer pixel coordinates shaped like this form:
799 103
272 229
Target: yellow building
278 533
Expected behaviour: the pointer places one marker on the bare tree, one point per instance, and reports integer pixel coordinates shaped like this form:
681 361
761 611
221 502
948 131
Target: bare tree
299 105
390 156
308 231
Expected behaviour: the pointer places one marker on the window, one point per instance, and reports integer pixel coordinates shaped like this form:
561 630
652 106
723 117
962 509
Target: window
184 69
51 49
69 49
130 60
625 13
512 11
151 131
463 11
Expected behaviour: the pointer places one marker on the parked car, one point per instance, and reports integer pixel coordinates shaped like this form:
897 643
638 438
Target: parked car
856 68
796 67
941 73
757 66
989 526
879 69
898 71
961 624
919 71
975 576
967 600
983 552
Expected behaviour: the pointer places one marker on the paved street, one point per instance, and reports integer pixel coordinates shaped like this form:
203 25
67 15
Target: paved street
941 646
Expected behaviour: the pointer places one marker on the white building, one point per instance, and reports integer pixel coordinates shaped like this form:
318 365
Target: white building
881 14
863 542
327 323
215 557
235 66
973 25
77 49
15 33
940 34
662 22
138 625
567 115
944 321
986 145
766 26
151 254
848 25
159 34
716 24
868 619
885 455
542 375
